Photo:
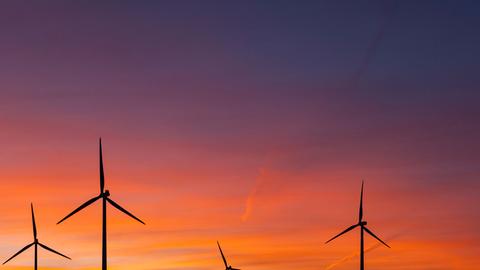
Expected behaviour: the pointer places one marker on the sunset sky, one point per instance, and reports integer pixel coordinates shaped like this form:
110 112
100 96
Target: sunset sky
248 122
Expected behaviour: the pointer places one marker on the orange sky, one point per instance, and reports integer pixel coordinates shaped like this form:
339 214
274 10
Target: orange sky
266 216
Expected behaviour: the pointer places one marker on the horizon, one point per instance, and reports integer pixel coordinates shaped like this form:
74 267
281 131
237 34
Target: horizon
248 123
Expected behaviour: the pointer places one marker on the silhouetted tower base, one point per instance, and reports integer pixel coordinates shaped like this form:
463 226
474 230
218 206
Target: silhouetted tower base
36 256
104 234
362 259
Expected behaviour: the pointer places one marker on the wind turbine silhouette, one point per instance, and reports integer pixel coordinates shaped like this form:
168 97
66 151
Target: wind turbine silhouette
227 267
104 195
362 223
35 243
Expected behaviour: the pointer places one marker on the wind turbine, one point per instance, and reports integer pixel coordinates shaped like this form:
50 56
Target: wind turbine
104 195
35 243
227 267
362 224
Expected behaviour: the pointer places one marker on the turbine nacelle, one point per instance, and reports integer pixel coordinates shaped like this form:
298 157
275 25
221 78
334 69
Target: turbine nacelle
363 223
106 193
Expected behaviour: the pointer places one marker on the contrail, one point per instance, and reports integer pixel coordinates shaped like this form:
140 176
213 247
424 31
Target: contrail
355 254
372 49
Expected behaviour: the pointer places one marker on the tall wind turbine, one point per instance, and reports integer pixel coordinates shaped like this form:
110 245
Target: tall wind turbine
35 243
362 224
227 267
104 195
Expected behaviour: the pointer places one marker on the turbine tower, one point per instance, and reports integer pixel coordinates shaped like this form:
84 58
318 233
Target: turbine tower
104 195
35 243
363 228
227 267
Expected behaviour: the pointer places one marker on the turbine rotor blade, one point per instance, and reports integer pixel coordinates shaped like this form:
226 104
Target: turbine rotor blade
33 222
87 203
345 231
124 211
102 176
21 250
360 212
223 256
54 251
376 237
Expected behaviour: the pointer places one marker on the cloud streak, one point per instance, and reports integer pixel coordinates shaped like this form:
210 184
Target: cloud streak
250 200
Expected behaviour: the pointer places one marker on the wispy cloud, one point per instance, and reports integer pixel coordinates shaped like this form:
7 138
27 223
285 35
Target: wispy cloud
249 202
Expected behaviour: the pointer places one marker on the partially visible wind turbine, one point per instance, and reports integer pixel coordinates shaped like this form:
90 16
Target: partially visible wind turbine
104 195
35 243
363 228
227 267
